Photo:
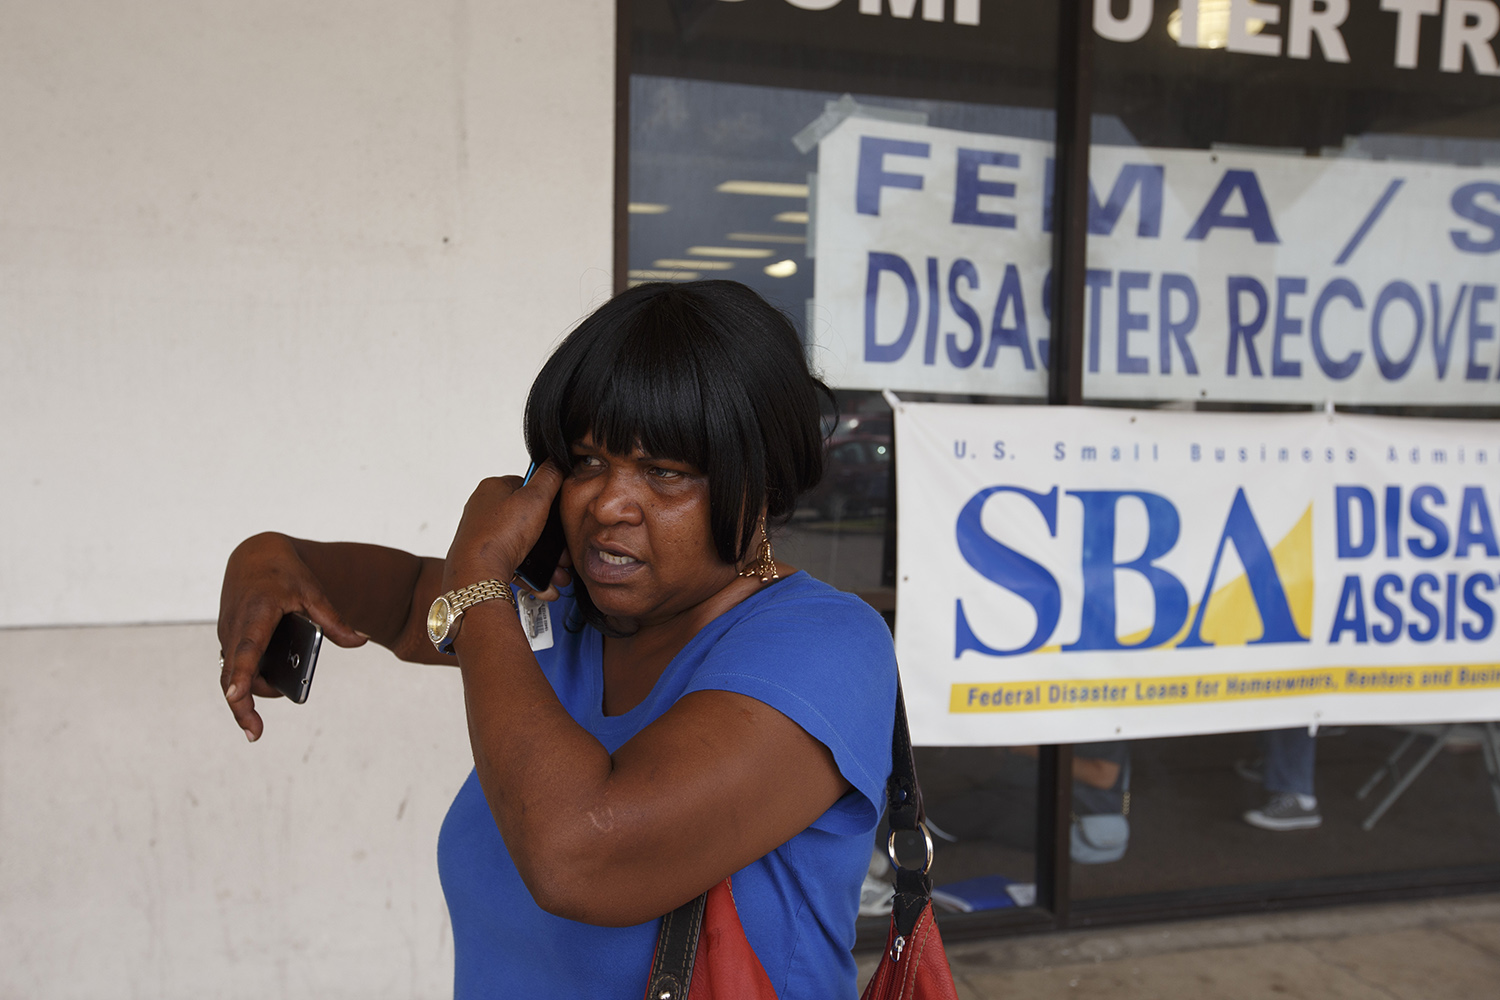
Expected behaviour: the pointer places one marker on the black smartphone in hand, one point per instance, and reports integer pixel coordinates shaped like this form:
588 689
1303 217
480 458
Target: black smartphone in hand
287 664
541 562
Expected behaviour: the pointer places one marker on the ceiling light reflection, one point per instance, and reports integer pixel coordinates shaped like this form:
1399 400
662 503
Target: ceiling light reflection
766 238
1213 24
639 276
771 189
747 253
701 265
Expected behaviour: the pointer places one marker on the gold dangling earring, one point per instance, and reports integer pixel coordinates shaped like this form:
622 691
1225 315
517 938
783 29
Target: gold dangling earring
764 565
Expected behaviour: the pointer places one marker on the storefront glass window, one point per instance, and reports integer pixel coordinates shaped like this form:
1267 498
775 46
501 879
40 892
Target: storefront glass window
1293 210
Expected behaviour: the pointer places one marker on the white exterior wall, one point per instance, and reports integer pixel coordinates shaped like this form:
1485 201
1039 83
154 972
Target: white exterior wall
262 265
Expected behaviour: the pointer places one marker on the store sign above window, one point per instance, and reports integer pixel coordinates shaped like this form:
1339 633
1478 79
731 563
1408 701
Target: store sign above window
1466 28
1211 275
1076 574
963 11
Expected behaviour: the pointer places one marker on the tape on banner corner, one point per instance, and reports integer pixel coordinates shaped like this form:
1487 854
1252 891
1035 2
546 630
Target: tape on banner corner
835 112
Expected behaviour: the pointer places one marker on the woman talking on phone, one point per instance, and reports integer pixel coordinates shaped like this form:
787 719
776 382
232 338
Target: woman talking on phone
687 709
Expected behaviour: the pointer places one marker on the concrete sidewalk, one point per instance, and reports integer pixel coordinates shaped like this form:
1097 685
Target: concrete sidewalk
1429 950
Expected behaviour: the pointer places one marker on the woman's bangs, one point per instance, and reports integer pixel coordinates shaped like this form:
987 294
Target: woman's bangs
640 395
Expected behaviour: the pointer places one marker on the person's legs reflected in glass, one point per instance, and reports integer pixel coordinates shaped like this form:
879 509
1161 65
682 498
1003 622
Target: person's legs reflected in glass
1286 772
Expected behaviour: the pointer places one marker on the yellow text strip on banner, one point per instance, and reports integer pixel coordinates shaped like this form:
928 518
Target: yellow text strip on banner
1189 689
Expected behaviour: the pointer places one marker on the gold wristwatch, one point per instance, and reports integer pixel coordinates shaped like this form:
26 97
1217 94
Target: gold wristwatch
443 616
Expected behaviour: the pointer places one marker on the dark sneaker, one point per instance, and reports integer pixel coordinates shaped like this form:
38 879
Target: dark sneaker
1284 812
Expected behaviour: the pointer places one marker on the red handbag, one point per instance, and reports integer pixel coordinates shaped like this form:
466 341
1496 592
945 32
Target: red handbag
702 952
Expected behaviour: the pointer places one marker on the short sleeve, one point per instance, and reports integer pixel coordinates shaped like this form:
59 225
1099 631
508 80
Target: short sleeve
825 660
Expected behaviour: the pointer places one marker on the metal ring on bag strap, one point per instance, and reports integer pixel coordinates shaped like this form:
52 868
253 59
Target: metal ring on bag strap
890 848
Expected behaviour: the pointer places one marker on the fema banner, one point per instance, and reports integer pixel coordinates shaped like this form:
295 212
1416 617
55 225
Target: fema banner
1075 574
1211 275
931 257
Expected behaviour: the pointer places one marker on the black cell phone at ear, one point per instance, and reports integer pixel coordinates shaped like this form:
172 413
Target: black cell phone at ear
287 664
541 562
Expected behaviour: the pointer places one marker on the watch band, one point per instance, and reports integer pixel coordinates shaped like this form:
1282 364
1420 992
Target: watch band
465 598
442 619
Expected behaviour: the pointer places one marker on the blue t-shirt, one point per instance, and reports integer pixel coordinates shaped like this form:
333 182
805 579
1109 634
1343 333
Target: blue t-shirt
822 658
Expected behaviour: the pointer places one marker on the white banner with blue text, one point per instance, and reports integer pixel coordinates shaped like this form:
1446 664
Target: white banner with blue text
1211 274
1077 574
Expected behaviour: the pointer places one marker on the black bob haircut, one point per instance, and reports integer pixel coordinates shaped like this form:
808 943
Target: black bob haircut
705 372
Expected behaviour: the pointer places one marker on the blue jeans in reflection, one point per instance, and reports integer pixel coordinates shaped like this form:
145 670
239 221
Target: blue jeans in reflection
1289 756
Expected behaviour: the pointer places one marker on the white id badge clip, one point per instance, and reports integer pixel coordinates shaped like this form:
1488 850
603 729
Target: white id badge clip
536 619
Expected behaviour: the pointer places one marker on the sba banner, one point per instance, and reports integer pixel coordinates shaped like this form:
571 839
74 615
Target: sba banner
1077 574
1211 275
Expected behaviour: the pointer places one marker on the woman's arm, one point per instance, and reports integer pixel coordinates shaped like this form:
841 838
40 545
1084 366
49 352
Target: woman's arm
354 591
718 781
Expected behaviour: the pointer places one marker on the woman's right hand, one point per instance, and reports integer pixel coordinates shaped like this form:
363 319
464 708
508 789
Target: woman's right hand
266 577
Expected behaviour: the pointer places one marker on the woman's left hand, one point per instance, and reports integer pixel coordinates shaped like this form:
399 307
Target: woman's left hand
502 521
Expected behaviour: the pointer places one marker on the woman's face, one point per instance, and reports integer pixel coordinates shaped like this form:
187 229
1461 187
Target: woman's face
639 534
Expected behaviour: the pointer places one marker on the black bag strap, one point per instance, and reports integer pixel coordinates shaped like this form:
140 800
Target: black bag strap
903 798
677 944
676 947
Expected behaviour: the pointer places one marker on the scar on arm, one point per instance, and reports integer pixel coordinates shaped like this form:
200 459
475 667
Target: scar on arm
602 820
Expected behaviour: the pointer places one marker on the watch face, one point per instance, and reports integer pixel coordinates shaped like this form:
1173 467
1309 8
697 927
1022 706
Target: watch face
439 618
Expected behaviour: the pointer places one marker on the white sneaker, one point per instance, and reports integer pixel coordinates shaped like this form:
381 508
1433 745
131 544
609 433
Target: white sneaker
1284 812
